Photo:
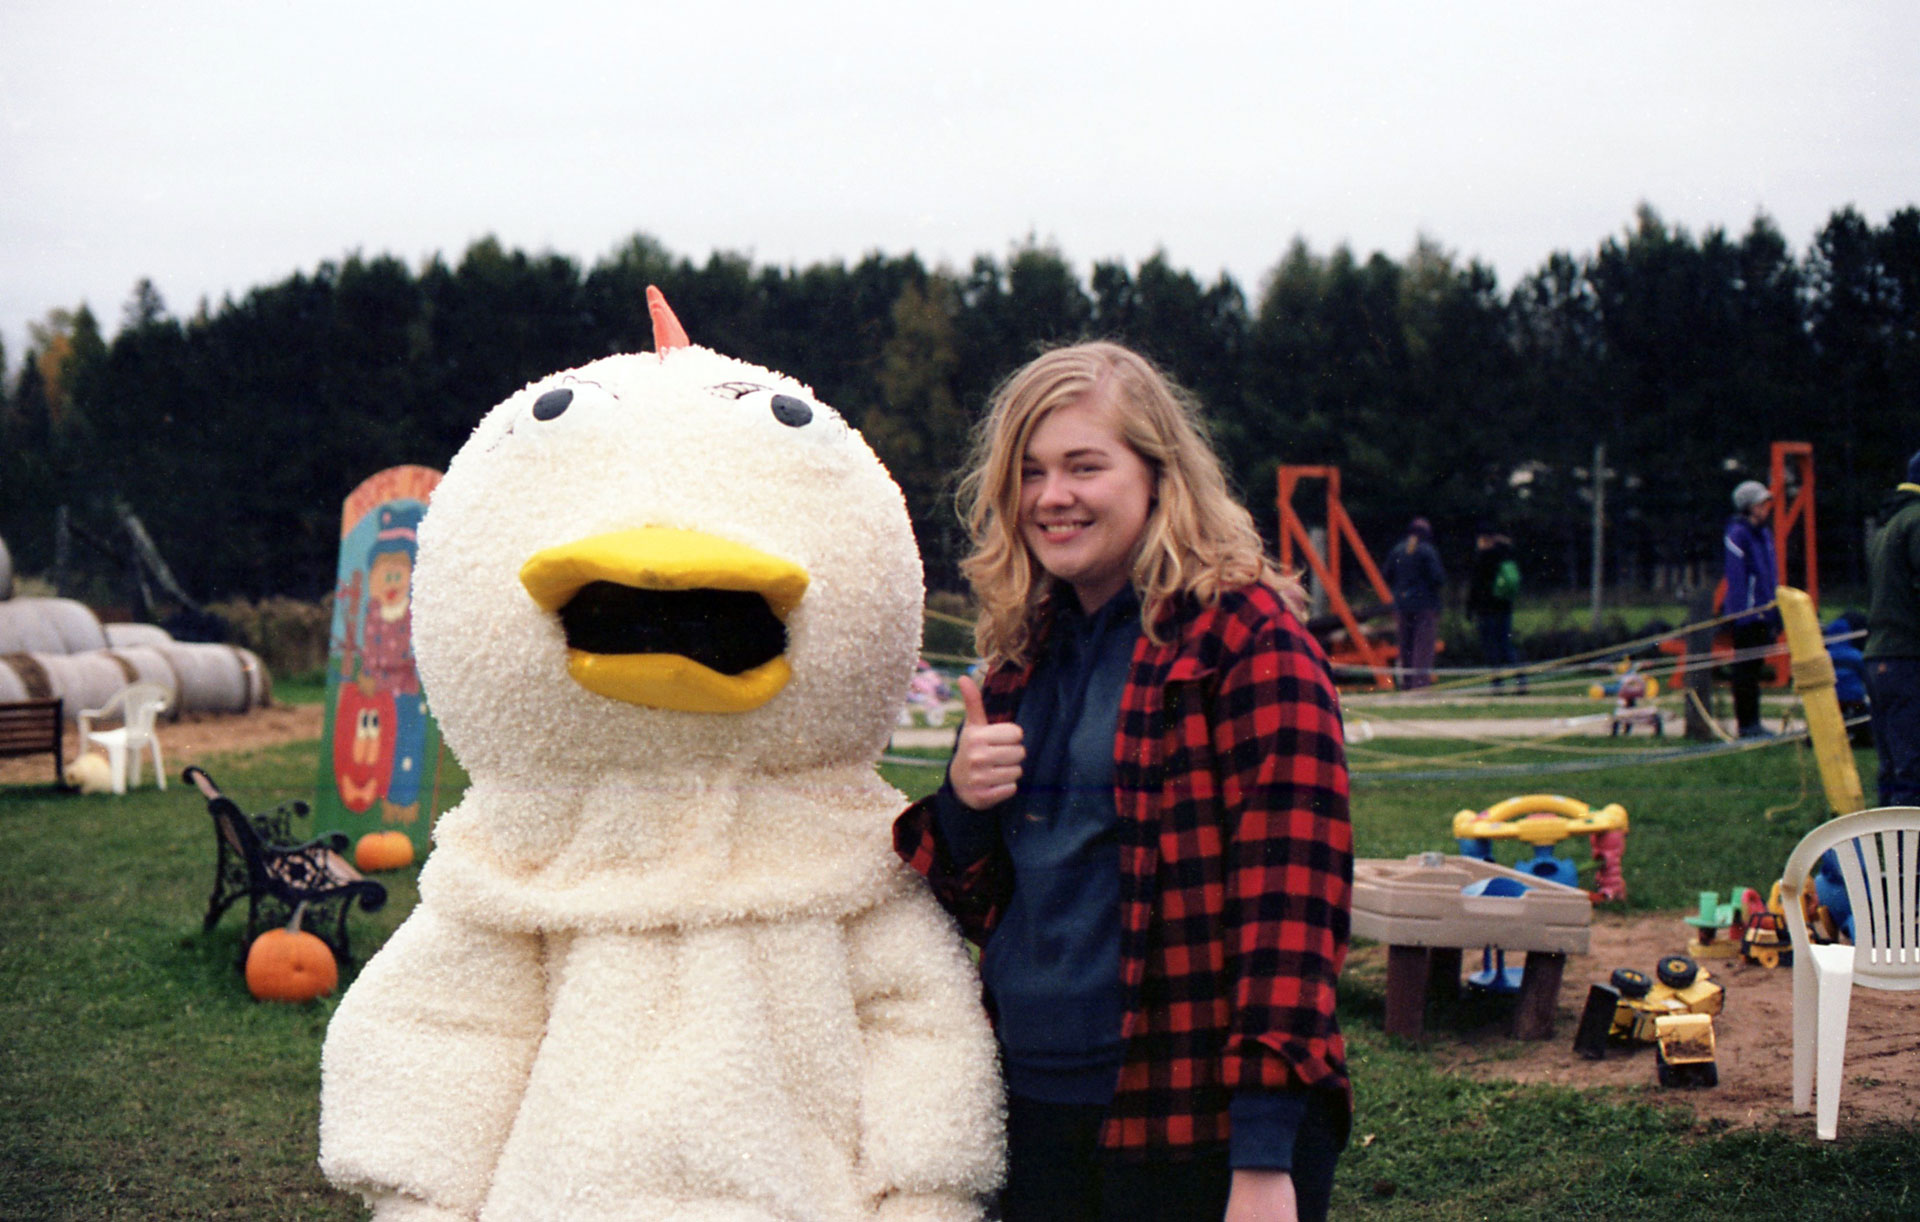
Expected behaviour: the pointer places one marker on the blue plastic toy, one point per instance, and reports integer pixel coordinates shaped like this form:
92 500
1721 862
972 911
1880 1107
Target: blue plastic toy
1494 975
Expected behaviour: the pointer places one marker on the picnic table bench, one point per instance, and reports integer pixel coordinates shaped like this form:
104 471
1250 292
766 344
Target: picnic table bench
31 727
259 859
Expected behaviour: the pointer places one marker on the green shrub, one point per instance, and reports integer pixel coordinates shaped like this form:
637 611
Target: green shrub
289 635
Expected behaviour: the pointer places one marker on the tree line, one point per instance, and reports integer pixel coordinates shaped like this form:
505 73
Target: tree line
235 433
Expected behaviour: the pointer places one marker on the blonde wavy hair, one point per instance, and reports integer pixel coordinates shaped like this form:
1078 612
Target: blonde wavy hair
1197 540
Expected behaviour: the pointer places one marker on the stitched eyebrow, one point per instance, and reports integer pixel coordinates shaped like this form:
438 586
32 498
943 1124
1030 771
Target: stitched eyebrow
570 380
737 390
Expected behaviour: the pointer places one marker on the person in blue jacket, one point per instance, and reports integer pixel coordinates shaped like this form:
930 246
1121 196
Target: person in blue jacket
1850 674
1751 576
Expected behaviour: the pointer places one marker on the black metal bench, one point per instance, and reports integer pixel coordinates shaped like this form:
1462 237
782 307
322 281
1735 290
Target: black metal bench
31 727
259 859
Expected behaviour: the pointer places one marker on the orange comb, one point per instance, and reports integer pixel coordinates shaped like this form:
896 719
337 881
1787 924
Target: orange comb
668 334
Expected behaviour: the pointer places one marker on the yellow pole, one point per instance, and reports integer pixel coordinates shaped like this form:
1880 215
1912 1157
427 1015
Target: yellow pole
1813 679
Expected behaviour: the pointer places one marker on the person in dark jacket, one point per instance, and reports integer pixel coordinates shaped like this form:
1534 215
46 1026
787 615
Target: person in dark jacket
1751 576
1415 576
1491 587
1144 825
1893 640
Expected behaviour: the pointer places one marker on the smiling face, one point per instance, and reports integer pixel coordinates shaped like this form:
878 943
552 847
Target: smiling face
389 577
1084 500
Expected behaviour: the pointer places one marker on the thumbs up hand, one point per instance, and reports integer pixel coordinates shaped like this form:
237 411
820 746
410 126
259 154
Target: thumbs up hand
986 762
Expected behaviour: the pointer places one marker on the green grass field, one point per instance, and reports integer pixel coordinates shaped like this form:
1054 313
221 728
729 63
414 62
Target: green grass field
139 1081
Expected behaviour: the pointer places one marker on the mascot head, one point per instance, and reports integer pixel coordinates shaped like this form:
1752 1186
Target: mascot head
660 561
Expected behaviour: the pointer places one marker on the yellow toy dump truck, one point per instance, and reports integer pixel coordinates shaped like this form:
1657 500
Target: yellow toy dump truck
1673 1011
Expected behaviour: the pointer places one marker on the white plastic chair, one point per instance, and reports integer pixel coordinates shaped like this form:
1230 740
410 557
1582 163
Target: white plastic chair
1879 854
139 704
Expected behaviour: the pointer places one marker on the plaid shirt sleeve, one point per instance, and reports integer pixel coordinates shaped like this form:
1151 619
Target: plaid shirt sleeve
1281 761
1236 867
976 894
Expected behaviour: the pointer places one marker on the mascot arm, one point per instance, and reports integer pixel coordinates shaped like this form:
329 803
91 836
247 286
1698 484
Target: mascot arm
424 1066
931 1110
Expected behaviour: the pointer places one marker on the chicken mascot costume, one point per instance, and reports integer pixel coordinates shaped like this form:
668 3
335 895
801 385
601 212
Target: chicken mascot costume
665 965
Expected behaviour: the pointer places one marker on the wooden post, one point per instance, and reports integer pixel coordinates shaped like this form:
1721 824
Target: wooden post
1700 668
1539 996
1407 979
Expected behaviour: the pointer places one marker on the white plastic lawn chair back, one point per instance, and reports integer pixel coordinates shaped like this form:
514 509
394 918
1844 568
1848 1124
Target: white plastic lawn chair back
139 705
1879 855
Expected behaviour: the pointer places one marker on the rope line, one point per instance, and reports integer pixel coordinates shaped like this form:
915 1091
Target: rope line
1573 673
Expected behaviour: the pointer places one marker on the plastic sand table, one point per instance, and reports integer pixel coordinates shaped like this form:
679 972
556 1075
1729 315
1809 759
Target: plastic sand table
1427 908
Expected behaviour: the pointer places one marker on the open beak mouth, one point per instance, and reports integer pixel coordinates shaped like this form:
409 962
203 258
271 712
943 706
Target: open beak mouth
671 619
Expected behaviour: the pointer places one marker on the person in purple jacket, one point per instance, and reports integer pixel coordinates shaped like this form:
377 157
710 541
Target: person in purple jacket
1751 576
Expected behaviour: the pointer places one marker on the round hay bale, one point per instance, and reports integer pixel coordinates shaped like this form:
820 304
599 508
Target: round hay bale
217 678
6 571
83 680
144 664
49 625
22 678
120 636
25 629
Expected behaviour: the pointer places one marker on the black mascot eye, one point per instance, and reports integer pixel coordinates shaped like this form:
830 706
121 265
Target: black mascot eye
791 411
551 404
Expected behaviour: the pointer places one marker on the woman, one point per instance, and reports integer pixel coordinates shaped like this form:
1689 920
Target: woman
1144 824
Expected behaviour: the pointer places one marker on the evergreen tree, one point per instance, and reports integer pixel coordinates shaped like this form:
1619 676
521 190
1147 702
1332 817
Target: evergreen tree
920 428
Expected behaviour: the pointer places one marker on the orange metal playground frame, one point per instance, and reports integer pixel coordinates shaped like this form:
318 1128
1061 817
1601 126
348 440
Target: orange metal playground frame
1359 649
1793 522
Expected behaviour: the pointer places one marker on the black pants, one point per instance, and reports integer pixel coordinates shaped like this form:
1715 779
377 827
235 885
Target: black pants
1894 684
1056 1171
1746 675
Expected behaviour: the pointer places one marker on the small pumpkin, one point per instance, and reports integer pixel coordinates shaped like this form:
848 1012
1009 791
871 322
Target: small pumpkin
290 965
383 851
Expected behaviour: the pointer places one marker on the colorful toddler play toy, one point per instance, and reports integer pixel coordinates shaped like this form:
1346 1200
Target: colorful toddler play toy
1633 695
1428 908
1544 820
1745 926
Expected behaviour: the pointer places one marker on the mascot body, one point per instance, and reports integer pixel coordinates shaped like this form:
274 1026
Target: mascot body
665 965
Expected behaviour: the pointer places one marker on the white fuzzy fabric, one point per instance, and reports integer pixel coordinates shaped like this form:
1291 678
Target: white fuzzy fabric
665 964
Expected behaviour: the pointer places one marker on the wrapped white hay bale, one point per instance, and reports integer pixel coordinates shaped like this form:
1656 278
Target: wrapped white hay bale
23 678
120 636
143 664
49 625
217 678
82 680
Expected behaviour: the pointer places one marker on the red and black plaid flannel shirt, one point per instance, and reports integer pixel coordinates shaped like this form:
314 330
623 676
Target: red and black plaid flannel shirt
1236 867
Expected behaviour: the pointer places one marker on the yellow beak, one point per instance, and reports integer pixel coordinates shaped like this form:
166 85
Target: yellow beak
668 562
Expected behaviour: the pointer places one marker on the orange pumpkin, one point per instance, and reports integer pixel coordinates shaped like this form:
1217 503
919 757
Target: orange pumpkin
383 851
290 965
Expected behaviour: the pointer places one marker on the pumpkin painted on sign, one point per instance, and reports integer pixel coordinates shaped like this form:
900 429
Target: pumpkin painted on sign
363 734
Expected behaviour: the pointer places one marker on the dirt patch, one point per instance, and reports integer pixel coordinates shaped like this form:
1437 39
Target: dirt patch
191 740
1753 1036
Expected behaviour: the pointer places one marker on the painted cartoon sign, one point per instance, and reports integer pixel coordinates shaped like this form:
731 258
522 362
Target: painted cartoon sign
381 748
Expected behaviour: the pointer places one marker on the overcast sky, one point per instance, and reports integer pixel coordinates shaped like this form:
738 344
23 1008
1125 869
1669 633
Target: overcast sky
216 147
